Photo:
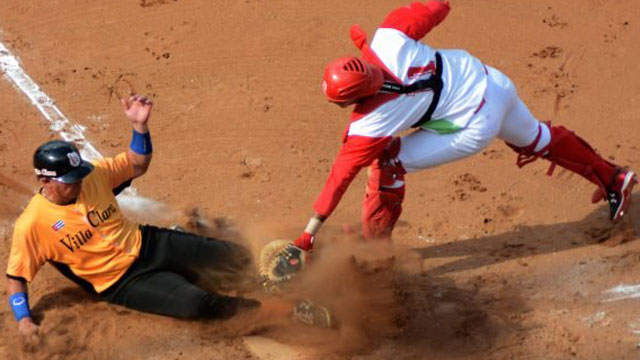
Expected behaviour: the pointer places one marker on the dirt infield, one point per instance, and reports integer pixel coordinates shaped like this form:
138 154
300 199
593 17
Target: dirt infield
492 261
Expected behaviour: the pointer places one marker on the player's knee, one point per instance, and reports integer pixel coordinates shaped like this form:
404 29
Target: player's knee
387 170
234 254
475 139
473 145
542 141
551 142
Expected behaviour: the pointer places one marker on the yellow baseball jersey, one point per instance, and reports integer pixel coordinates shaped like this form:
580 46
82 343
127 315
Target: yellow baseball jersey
90 237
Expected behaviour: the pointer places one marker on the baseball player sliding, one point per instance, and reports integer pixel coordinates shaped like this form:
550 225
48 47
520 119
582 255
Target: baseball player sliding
74 222
456 103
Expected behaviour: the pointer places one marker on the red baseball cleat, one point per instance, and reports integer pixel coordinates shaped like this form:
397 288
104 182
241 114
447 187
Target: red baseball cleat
618 195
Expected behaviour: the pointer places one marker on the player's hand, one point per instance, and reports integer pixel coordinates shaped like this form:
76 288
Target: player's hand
137 108
28 329
305 241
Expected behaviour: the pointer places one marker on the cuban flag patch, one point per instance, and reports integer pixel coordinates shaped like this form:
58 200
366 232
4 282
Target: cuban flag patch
58 225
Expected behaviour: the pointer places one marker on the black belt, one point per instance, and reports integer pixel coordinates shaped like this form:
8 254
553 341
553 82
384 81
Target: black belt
433 83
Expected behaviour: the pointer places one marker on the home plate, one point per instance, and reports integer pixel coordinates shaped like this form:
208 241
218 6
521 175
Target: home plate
267 349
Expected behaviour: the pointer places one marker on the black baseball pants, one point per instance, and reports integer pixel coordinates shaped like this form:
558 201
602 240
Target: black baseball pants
178 274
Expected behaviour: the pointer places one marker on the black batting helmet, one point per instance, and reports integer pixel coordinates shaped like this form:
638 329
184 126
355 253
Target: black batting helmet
60 161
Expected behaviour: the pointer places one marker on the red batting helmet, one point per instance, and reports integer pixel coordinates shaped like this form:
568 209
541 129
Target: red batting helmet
351 78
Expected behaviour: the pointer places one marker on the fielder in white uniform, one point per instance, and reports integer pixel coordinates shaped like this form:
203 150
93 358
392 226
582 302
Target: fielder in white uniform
458 106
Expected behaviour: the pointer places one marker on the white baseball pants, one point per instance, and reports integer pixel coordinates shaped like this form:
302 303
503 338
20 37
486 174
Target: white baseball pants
503 115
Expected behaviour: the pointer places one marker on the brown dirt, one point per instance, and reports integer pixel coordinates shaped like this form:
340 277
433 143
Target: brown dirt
502 263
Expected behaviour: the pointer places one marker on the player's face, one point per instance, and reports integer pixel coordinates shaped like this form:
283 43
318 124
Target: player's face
62 193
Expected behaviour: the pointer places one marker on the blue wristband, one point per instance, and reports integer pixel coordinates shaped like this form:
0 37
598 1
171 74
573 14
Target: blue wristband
20 305
141 143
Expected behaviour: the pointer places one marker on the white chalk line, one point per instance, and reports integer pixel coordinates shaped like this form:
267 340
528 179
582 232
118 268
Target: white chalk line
68 131
625 292
59 123
622 292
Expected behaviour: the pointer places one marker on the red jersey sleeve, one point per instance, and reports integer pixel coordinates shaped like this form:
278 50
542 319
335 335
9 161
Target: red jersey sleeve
356 153
417 19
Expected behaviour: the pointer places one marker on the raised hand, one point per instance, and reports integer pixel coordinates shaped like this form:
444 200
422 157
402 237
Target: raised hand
137 108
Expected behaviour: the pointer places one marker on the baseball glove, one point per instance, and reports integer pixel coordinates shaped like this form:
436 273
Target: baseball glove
279 261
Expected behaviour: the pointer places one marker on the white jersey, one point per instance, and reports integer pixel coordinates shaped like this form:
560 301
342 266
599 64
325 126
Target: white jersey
404 59
464 84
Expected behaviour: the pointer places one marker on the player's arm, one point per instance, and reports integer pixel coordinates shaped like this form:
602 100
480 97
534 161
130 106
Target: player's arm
138 110
356 153
25 259
417 19
19 301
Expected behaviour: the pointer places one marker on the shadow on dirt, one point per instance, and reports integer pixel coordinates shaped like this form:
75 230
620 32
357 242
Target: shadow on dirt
62 298
533 240
464 316
457 319
469 316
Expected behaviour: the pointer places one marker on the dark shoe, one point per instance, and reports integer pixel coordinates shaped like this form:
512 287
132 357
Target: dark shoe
619 195
311 314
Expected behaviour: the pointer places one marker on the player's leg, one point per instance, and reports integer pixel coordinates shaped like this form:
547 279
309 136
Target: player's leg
382 204
532 139
420 150
214 264
425 149
168 293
